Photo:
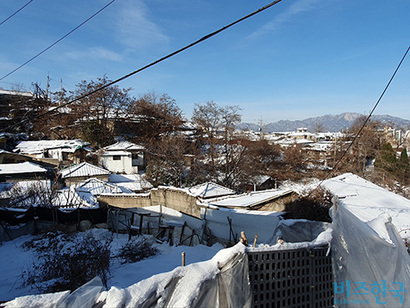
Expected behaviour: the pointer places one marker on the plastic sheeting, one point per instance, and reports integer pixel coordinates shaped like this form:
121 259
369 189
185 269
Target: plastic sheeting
220 282
368 270
261 223
298 230
84 296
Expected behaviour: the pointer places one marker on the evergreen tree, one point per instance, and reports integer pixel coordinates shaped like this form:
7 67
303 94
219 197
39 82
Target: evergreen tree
386 159
404 167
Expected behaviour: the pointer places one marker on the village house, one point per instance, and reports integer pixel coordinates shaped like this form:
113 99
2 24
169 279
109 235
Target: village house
124 157
7 157
57 152
22 171
84 171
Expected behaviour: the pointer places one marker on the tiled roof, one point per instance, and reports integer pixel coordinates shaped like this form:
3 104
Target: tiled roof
83 170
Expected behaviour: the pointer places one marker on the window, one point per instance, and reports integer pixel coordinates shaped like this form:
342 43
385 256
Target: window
116 157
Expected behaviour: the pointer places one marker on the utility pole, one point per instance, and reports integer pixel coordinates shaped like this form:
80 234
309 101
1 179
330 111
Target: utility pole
61 91
48 86
260 129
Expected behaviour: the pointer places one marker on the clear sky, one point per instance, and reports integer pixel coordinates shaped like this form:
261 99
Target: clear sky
298 59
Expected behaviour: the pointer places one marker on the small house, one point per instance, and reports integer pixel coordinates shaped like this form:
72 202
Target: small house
123 157
22 171
57 152
82 172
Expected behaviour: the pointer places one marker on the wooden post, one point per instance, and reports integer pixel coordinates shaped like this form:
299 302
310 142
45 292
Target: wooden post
243 239
140 230
183 258
254 242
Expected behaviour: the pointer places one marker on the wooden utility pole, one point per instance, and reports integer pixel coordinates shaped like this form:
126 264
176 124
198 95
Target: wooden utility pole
48 86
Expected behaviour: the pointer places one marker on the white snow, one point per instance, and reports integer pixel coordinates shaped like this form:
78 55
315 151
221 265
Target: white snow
124 145
209 190
132 182
39 146
26 167
83 170
251 199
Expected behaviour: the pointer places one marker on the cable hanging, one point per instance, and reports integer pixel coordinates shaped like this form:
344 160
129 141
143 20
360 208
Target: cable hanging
204 38
16 12
334 169
59 40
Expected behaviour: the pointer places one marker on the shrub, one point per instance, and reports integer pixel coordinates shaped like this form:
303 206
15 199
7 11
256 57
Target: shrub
137 250
67 261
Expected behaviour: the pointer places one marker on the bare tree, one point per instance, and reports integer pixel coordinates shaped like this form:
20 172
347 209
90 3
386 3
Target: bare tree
96 114
152 116
166 161
367 143
208 119
217 125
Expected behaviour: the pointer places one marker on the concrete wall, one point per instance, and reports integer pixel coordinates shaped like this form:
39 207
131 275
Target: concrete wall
180 201
174 199
177 200
277 205
74 180
125 201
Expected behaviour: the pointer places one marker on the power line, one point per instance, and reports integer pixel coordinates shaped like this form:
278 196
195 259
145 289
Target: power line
59 40
204 38
16 12
365 122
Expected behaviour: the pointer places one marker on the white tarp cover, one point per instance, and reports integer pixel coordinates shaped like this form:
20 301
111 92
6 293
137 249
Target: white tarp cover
262 223
366 263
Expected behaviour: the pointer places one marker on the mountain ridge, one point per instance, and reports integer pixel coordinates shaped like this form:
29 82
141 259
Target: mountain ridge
327 123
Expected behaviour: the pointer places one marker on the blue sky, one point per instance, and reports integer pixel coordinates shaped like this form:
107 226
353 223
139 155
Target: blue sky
298 59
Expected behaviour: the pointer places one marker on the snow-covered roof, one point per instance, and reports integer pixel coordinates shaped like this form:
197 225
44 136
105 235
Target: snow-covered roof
19 93
320 146
300 134
26 167
260 179
83 170
124 146
12 189
97 187
210 190
133 182
114 153
69 197
39 146
251 199
368 201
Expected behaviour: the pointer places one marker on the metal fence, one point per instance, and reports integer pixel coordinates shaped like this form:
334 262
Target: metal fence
291 278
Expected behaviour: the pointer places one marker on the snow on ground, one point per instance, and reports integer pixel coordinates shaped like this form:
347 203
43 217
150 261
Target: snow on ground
16 260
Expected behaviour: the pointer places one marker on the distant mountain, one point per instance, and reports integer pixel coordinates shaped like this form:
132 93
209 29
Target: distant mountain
328 123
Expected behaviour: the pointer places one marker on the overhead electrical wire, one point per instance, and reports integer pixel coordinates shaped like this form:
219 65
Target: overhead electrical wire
59 40
204 38
16 12
364 123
